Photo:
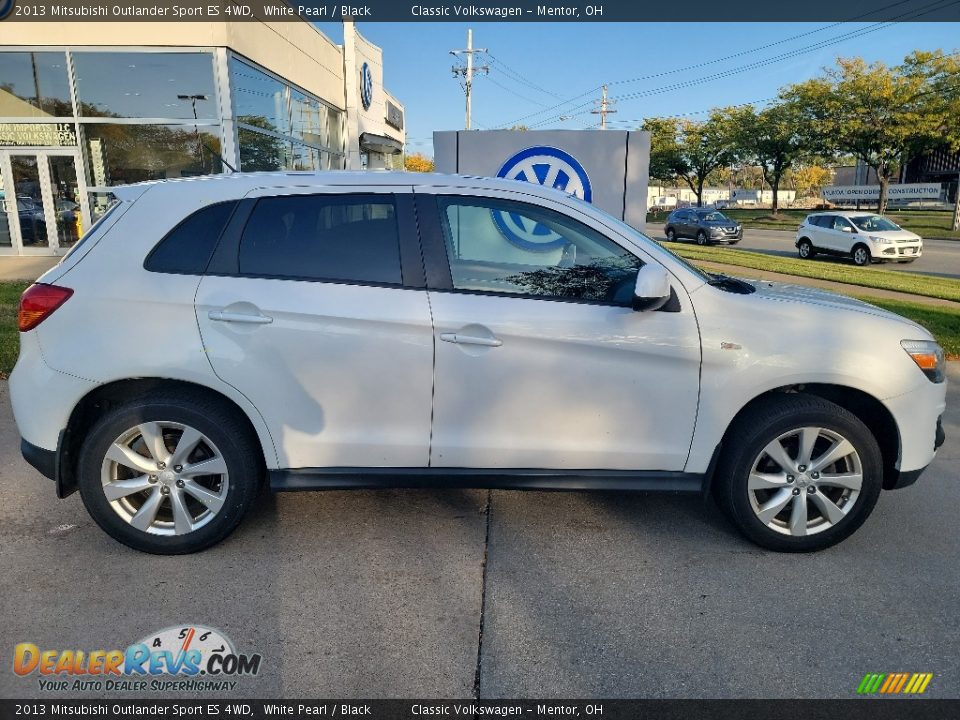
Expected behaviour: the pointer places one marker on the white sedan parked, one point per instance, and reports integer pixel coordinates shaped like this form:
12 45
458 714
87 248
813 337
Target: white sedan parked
861 236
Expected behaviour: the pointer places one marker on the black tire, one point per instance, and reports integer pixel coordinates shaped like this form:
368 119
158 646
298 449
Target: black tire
861 255
805 249
215 419
671 235
767 420
701 238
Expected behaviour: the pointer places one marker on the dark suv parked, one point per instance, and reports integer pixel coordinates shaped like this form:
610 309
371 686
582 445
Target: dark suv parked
705 225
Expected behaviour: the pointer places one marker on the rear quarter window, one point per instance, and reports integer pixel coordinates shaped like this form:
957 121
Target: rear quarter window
187 249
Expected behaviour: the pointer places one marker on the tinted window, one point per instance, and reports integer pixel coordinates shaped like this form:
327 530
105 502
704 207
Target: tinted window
840 223
350 238
188 247
824 221
509 247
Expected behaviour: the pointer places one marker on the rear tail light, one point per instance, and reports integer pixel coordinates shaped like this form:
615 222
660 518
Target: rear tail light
38 303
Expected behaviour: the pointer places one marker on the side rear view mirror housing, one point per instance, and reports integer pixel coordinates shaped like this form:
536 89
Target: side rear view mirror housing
652 290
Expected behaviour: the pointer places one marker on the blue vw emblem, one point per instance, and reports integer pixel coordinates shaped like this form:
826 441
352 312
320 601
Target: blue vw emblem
550 167
366 86
6 7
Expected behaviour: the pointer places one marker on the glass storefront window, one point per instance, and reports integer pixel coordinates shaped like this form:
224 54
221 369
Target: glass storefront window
119 154
34 84
308 118
334 130
258 98
259 152
144 84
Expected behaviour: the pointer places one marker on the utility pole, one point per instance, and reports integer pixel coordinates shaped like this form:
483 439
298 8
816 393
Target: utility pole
468 71
956 208
604 108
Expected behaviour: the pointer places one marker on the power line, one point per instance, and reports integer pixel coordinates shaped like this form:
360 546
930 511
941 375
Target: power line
744 68
794 53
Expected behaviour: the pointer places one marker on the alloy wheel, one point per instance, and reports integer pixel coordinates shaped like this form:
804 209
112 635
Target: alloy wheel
165 478
805 481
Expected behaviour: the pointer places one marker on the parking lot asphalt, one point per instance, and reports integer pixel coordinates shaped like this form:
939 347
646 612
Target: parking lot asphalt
940 257
505 594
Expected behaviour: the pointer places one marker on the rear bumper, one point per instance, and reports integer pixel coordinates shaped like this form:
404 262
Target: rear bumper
43 460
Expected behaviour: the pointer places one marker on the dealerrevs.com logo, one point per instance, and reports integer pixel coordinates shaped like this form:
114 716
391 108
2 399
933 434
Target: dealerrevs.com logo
180 658
6 7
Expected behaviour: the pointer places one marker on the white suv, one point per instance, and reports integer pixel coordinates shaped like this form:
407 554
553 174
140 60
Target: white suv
351 330
861 236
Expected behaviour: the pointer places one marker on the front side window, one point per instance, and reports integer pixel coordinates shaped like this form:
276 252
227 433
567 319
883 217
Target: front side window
501 246
842 224
338 238
715 217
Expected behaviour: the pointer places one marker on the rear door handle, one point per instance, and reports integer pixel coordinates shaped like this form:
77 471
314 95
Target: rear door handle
470 340
235 317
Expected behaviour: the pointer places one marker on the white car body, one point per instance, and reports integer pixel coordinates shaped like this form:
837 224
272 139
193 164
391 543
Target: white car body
342 376
843 235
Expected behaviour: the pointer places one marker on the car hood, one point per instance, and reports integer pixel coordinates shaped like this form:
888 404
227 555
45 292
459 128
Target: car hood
720 223
786 292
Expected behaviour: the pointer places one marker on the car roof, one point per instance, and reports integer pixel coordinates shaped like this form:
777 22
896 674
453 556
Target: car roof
245 182
844 213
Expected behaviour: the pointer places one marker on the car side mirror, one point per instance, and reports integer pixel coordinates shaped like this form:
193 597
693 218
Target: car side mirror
847 229
652 289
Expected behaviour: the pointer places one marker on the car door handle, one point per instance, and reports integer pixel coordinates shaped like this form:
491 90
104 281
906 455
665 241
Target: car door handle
470 340
235 317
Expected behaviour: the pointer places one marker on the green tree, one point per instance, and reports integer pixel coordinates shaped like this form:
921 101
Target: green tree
771 140
690 150
876 113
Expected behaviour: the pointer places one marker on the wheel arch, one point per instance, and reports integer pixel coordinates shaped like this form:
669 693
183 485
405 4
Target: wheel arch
104 397
868 409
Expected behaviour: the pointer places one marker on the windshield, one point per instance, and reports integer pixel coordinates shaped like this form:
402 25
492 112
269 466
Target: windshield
714 216
874 223
642 239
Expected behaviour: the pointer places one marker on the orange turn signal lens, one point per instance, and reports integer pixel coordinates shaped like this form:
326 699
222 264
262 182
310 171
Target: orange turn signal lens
928 356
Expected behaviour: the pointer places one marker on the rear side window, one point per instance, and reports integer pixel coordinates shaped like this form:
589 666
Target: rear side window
824 221
338 238
187 248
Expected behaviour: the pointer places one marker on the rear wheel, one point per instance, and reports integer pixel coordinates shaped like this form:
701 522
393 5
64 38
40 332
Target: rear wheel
671 235
701 238
169 475
861 255
800 473
805 249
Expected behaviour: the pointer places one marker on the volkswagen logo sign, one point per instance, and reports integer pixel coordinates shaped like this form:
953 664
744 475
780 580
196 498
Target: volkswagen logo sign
366 85
550 167
6 7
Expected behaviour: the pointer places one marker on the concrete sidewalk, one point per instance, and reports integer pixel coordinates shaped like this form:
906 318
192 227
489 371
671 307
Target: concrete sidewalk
25 268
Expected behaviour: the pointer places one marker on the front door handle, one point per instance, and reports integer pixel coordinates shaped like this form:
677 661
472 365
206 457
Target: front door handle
470 340
235 317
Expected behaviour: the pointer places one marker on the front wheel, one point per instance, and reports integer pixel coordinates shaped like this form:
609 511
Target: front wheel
800 473
861 255
169 474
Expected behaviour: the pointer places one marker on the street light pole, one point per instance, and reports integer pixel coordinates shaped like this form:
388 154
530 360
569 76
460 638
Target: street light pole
196 128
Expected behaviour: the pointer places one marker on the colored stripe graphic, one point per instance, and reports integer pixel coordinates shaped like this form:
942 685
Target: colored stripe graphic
894 683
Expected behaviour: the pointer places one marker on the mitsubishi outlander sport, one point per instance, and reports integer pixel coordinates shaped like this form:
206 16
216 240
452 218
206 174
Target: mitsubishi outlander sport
346 330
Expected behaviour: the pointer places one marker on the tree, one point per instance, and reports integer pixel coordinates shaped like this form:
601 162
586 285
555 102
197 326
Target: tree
418 162
876 113
809 179
771 140
690 150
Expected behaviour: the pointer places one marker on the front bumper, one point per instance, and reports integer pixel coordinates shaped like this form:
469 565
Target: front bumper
908 478
898 252
726 236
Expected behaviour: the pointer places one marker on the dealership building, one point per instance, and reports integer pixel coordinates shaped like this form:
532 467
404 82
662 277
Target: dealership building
88 105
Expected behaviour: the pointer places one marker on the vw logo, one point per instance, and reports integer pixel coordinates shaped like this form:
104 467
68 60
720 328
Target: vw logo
366 85
6 7
550 167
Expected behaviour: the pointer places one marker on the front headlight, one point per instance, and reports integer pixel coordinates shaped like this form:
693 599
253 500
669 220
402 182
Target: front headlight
881 240
928 356
716 231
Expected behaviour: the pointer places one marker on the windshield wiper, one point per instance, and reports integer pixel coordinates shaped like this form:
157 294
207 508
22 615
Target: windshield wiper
730 284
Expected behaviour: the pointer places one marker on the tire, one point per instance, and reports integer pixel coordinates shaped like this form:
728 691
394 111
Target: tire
771 422
210 504
805 249
671 235
860 255
701 238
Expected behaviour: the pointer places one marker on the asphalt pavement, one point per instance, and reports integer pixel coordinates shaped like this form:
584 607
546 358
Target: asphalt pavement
940 257
502 594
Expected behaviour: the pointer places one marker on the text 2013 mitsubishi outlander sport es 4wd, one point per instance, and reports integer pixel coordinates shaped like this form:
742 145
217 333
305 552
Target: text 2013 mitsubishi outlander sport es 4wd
348 330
